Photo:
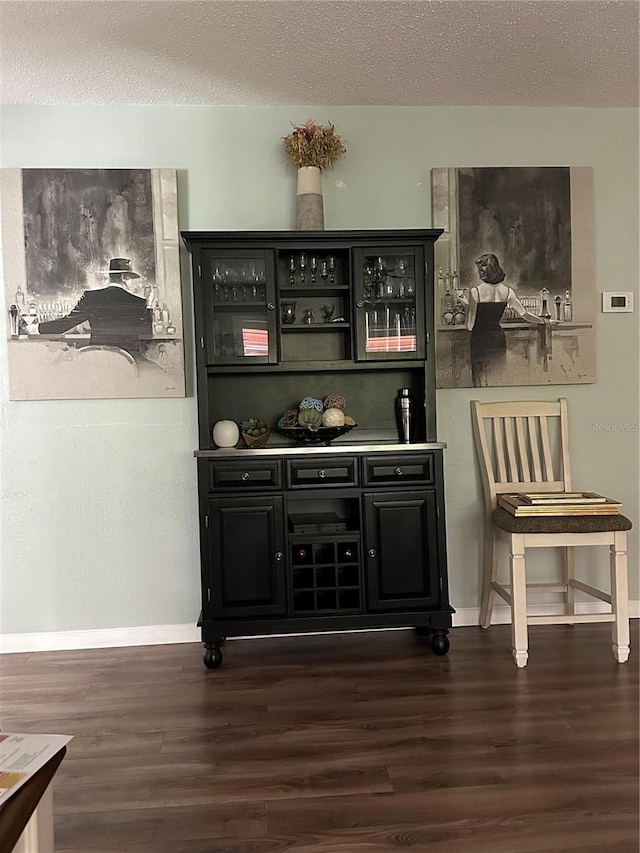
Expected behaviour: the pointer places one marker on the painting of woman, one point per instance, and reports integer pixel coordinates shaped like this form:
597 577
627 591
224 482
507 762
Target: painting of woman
487 304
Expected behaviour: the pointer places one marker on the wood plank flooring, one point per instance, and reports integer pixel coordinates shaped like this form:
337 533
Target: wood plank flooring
352 743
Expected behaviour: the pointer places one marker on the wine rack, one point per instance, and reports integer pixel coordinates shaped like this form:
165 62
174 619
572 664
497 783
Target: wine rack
325 576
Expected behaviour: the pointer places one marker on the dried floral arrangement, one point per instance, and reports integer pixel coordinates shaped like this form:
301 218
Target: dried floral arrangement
313 144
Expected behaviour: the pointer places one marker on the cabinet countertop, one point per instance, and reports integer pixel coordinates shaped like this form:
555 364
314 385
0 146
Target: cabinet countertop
380 447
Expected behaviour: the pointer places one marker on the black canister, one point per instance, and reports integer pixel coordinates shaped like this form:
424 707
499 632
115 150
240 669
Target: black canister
405 414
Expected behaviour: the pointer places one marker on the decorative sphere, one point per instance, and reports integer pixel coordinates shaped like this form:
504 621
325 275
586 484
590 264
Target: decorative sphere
333 418
335 401
311 403
226 433
310 418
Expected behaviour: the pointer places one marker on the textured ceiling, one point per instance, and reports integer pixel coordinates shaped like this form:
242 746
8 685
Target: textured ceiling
268 52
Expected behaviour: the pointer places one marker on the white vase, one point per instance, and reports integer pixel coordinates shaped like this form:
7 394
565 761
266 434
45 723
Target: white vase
226 433
309 202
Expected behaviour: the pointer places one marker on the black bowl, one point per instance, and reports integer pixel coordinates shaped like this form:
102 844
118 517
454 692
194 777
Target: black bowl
321 435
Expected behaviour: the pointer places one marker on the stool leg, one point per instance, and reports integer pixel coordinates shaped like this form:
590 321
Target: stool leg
489 573
519 638
620 597
569 574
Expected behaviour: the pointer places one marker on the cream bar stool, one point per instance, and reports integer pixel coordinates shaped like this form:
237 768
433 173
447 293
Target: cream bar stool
523 447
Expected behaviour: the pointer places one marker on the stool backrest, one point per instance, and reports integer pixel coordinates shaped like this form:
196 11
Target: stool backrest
522 447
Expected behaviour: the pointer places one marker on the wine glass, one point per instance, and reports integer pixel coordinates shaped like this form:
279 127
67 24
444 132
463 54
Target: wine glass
217 280
401 273
292 270
324 271
327 312
303 266
313 266
332 269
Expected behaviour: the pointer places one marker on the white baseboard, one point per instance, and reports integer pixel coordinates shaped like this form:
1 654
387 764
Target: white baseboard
101 638
153 635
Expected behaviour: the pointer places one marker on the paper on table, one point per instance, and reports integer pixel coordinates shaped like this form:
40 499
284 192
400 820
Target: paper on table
22 755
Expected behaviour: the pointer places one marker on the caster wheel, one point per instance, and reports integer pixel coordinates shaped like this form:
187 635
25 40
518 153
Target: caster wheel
213 658
440 644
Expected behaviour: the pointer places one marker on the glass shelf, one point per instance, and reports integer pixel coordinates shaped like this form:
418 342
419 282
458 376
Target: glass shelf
315 327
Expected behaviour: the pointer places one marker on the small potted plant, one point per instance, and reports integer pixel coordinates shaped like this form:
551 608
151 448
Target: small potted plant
311 147
255 432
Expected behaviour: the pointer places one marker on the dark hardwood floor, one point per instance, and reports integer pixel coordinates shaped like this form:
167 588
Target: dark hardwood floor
352 743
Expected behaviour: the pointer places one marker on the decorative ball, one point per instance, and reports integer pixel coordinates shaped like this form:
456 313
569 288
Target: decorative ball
290 418
349 421
333 418
310 418
311 403
226 433
335 401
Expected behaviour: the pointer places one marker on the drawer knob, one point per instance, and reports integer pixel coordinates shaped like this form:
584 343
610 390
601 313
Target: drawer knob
322 473
398 472
279 555
372 552
271 306
245 475
360 303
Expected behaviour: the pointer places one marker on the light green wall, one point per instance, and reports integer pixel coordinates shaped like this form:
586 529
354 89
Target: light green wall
99 499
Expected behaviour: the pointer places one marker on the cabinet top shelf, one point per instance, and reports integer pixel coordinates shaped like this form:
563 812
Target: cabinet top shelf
284 239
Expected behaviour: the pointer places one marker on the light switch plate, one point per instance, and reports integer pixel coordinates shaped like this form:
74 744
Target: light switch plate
617 302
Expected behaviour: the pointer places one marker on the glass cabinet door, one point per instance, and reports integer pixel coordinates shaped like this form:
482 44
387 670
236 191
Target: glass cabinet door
389 303
240 303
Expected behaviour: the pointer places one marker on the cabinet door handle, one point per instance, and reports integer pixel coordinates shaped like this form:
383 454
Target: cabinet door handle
271 306
279 555
372 552
245 475
322 473
360 303
398 472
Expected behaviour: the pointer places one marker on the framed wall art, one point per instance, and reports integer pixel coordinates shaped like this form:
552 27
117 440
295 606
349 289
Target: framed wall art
515 276
92 283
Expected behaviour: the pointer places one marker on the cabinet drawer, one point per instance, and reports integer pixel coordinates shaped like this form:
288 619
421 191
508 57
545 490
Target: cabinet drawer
238 474
397 470
322 471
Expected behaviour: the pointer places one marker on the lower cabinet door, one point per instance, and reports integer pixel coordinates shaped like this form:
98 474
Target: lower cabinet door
401 552
246 547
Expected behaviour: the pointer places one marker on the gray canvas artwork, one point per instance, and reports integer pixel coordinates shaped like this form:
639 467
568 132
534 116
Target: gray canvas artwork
92 283
515 276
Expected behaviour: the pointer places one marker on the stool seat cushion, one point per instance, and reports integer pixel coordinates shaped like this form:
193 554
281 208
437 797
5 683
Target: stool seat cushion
559 523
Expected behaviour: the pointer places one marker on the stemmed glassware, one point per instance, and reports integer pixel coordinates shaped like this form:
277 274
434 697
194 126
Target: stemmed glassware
332 270
401 272
303 266
292 270
324 271
313 266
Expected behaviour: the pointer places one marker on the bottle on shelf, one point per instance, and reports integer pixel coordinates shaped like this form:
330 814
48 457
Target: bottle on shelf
567 308
544 311
14 320
447 304
558 303
165 314
20 298
158 325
